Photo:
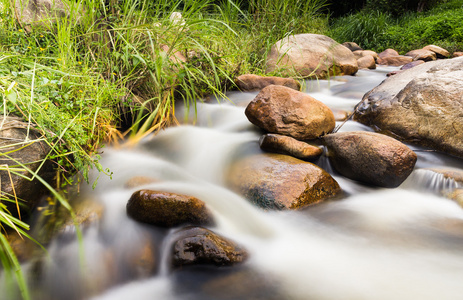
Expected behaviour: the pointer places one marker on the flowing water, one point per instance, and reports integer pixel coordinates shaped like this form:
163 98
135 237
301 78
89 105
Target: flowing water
374 243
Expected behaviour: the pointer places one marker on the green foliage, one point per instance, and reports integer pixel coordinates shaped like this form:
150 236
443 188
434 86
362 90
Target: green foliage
442 25
365 28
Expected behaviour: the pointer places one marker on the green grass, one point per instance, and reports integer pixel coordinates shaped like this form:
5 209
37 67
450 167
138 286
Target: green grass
442 25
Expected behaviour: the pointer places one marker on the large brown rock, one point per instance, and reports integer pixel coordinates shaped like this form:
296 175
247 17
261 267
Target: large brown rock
387 53
167 209
457 54
196 245
394 60
278 109
422 105
287 145
440 52
366 62
275 181
421 54
20 146
311 55
370 157
251 82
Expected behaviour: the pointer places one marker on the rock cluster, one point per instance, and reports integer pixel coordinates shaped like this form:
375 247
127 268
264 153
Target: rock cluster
311 55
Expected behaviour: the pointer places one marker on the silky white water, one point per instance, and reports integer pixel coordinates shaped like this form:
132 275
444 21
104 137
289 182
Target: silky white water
374 243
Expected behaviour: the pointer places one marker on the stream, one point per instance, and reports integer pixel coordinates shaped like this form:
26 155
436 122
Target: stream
372 243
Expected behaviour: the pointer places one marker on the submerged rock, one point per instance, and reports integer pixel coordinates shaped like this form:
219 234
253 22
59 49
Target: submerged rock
167 209
278 109
275 181
199 246
370 157
287 145
251 82
422 105
311 55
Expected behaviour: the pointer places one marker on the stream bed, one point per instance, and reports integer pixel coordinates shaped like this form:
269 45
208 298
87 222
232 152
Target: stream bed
372 243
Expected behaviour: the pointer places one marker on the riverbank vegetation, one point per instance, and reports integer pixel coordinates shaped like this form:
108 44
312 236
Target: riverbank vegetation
116 71
378 27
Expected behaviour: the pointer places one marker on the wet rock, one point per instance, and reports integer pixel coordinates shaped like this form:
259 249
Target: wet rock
87 212
449 173
352 46
31 152
287 145
243 284
422 105
366 62
137 181
412 64
340 114
457 54
139 260
251 82
370 157
23 247
394 60
275 181
440 52
387 53
199 246
457 196
167 209
278 109
311 55
421 54
393 73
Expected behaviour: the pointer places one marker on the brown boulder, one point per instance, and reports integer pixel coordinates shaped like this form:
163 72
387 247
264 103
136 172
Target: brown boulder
287 145
394 60
278 109
199 246
366 62
361 53
311 55
251 82
275 181
340 114
23 146
387 53
370 157
422 105
421 54
167 209
440 52
352 46
457 54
